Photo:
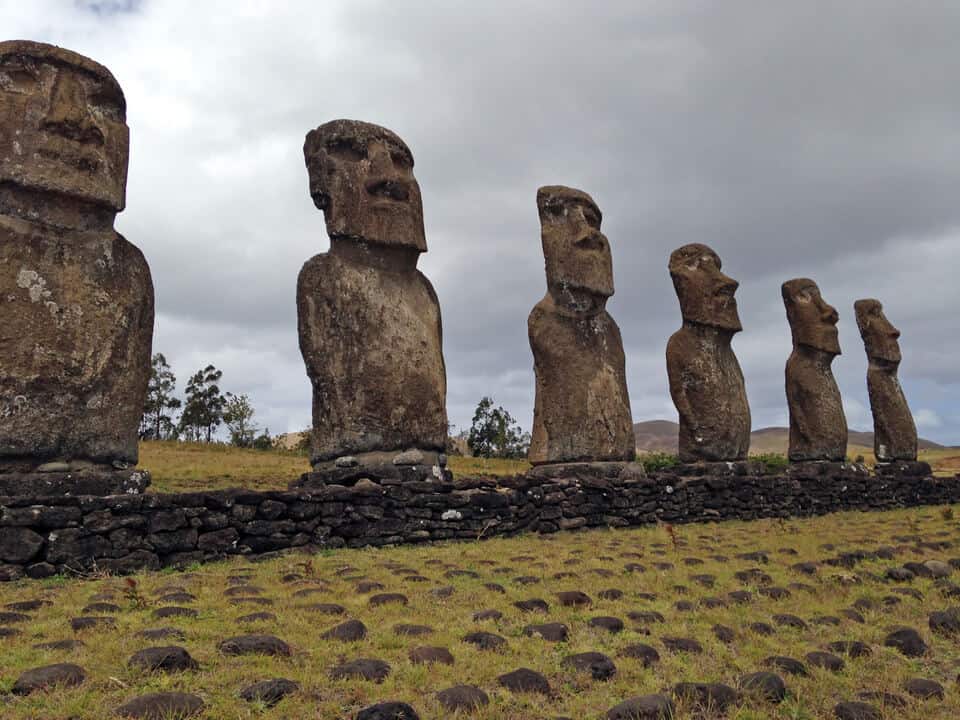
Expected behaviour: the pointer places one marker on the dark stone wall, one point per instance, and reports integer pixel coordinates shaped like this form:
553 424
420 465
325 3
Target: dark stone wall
43 536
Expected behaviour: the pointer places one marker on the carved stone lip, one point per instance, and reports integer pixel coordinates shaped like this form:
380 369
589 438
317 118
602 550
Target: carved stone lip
76 157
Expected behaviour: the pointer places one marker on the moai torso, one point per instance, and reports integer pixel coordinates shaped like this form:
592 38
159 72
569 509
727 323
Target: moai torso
76 299
818 425
706 382
582 408
371 340
894 430
369 321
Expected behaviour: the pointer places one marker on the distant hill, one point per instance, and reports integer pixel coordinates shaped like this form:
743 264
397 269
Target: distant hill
661 436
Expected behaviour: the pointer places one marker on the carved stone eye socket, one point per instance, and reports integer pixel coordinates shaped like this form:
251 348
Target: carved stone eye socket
555 209
401 159
18 79
344 149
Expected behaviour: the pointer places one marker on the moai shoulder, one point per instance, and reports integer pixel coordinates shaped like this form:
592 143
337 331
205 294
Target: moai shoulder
76 298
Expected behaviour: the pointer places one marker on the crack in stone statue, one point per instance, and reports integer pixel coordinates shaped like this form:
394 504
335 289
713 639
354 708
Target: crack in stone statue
76 298
894 431
818 426
582 409
369 321
706 382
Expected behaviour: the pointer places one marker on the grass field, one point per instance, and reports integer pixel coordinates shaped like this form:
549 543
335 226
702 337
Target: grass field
189 467
670 571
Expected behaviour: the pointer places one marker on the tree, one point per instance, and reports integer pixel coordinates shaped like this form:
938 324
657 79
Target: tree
157 422
203 411
263 441
494 433
238 415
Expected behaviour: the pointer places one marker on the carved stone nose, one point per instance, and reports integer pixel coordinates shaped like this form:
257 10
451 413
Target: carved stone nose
68 114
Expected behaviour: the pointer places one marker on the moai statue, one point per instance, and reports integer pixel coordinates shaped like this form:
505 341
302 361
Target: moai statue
76 298
818 426
894 432
369 321
706 382
582 409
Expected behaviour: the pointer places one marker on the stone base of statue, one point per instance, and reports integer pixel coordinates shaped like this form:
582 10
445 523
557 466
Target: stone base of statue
903 468
610 471
731 468
74 482
826 468
385 468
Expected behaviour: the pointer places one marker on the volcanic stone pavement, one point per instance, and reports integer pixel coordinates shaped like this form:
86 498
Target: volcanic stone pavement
853 615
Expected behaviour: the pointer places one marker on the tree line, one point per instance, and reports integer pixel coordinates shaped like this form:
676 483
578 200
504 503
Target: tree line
204 408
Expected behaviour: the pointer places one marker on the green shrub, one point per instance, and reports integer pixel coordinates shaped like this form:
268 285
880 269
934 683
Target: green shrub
654 461
773 462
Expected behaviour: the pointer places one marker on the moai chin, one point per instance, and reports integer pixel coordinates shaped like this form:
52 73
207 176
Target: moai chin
76 298
582 409
706 382
894 431
369 321
818 426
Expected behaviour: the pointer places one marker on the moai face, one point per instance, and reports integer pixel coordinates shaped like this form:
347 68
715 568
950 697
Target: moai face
62 125
706 294
812 321
880 337
361 176
577 254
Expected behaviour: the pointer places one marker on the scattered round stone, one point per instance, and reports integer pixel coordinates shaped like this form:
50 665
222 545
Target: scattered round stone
724 634
740 597
443 592
712 603
481 615
938 569
856 711
67 645
163 659
388 711
426 655
924 689
485 640
177 597
257 617
240 590
269 692
709 696
88 623
364 587
387 599
524 680
162 706
907 641
6 632
363 669
604 622
646 616
350 631
164 633
945 622
9 618
683 606
526 580
775 593
762 628
766 685
792 621
175 611
854 615
412 630
254 645
462 697
307 592
830 620
644 707
646 654
825 660
495 587
551 632
27 606
325 608
532 605
251 600
680 644
806 568
899 574
853 648
610 594
573 598
597 664
42 678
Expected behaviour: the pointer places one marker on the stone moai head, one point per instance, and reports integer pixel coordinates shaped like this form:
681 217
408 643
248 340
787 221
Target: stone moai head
879 335
813 322
705 293
361 176
63 127
577 254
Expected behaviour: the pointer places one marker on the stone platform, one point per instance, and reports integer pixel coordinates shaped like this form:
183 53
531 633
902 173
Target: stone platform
75 482
382 468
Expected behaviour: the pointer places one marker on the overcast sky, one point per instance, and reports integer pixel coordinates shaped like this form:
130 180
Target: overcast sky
810 138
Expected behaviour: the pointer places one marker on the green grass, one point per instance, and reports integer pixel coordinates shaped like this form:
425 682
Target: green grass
596 560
